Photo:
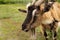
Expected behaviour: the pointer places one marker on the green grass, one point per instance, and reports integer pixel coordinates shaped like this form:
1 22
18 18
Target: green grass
16 1
13 1
10 23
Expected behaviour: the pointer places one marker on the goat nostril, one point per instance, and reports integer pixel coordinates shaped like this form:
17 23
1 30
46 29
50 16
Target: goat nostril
27 30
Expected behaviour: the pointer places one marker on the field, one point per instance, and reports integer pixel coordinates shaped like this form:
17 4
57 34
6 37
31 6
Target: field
10 23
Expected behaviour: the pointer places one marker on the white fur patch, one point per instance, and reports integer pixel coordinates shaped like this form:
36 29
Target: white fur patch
33 13
47 21
59 24
50 2
29 4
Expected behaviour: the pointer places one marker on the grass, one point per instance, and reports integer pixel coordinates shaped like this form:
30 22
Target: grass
10 23
16 1
13 1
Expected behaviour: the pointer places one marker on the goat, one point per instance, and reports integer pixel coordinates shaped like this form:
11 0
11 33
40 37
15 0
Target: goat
48 20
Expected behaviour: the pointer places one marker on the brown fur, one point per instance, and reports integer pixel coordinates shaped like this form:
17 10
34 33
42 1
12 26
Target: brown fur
53 13
46 19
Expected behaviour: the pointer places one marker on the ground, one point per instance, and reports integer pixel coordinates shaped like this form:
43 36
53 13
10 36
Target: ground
10 23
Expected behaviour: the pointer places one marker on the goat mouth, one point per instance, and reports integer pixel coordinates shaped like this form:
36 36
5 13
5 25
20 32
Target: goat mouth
26 30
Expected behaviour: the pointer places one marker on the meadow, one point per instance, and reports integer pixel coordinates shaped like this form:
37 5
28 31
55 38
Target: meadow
10 23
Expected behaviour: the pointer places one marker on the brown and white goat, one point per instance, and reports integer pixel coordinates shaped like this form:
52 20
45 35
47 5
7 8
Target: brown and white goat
48 20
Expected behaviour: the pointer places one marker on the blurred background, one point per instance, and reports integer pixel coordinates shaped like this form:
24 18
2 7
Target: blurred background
11 20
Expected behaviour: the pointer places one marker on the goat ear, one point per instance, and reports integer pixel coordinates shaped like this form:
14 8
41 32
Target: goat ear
21 10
